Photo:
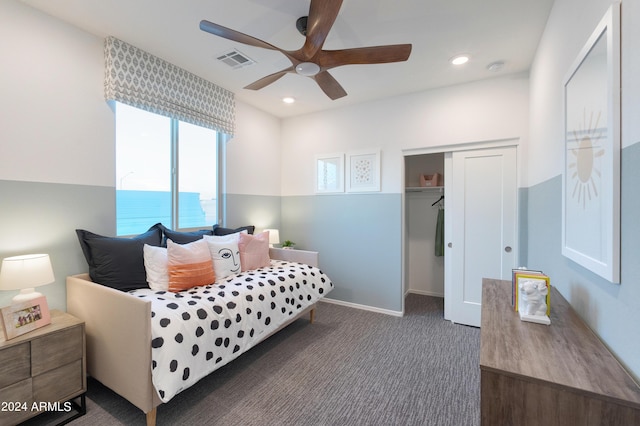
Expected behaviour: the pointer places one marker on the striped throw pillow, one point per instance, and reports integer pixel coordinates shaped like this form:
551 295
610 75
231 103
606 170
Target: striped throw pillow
190 265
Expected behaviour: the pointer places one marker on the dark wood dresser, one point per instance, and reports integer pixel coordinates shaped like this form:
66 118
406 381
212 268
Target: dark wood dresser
561 374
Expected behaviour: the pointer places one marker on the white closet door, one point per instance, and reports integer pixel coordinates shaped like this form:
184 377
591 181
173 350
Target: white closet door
480 227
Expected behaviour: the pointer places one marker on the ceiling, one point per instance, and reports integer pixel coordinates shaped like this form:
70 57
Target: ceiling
488 30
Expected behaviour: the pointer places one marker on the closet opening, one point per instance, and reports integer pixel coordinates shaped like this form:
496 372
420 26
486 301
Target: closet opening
424 204
480 222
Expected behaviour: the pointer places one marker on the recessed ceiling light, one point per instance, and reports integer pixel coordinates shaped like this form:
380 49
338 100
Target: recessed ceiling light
459 60
288 100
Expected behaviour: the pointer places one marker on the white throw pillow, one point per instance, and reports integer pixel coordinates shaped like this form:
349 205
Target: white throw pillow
225 255
235 237
156 266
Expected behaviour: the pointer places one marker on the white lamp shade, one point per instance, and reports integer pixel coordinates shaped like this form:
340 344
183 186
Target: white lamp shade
274 236
28 271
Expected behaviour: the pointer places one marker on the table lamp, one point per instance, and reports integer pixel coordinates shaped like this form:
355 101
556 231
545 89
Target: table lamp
24 273
274 237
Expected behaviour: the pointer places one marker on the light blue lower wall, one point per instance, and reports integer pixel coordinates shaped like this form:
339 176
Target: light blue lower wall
611 310
358 237
42 218
359 240
523 225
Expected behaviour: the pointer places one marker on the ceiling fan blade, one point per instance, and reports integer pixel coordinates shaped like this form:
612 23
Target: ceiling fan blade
322 15
234 35
364 55
265 81
329 85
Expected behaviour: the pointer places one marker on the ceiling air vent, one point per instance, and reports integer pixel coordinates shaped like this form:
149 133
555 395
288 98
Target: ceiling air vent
236 59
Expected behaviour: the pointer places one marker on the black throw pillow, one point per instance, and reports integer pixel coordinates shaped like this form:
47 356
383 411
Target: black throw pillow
184 237
218 230
118 262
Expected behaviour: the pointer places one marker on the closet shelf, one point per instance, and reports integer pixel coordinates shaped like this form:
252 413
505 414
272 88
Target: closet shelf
424 188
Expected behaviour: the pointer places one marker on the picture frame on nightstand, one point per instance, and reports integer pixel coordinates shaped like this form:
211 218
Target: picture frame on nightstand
21 318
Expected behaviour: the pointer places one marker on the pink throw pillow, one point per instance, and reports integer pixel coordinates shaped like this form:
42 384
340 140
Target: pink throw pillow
254 250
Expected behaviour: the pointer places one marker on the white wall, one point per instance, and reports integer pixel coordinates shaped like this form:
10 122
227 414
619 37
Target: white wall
253 167
253 155
56 126
570 25
480 111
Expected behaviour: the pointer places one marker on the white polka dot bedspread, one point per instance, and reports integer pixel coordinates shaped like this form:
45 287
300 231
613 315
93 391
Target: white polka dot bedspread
197 331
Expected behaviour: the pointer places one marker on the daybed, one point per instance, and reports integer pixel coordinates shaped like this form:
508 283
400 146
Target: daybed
149 345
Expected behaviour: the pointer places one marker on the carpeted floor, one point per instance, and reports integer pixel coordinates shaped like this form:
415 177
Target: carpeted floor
351 367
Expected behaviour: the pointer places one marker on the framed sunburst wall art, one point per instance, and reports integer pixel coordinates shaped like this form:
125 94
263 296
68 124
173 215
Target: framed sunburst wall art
591 177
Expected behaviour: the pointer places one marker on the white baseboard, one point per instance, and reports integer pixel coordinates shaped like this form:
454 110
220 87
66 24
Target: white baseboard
424 293
363 307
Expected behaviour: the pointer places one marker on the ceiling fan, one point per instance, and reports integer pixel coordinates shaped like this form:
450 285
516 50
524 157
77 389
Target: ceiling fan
311 60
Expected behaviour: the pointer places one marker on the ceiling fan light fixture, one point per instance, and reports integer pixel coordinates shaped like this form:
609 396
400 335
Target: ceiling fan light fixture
459 59
307 69
306 60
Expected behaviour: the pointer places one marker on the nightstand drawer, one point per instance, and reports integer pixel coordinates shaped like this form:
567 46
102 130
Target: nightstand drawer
59 384
16 402
15 364
56 349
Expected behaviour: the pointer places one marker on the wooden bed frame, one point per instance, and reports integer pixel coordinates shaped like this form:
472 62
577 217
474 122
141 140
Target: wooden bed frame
115 320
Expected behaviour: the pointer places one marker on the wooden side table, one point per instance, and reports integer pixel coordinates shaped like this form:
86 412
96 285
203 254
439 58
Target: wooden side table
44 370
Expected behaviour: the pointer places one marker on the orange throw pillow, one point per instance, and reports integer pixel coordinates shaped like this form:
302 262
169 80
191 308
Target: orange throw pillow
190 265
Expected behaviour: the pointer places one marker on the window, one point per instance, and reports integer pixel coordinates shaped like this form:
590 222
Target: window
166 171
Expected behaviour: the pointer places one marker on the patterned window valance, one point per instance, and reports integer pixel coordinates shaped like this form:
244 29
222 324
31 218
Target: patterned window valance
137 78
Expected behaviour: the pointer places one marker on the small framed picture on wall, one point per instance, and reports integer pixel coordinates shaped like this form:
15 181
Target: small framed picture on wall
363 171
329 176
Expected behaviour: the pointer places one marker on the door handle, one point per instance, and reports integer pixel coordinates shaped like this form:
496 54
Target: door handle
507 249
449 245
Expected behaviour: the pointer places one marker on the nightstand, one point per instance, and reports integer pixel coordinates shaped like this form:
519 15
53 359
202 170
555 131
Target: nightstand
43 371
